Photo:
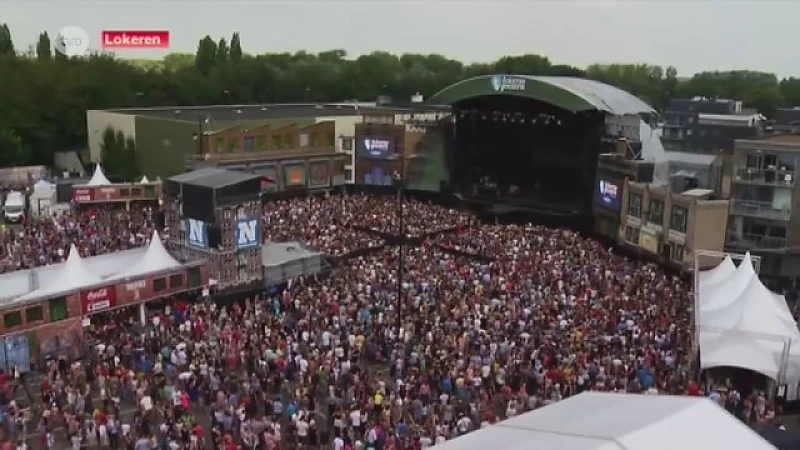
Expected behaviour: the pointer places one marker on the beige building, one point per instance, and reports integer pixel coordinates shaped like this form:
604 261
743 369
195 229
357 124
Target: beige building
671 225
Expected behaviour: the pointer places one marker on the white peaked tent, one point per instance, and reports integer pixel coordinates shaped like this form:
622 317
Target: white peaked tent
756 310
605 421
155 258
714 296
718 274
72 275
98 178
732 349
144 180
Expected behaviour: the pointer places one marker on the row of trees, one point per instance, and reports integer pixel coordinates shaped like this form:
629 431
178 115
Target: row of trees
44 96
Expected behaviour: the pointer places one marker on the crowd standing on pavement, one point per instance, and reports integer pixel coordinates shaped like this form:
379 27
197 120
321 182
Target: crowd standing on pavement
361 359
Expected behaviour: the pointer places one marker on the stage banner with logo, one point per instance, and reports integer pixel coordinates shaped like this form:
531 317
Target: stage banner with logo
319 174
294 175
99 299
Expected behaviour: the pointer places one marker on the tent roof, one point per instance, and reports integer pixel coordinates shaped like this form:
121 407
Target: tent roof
723 293
144 180
736 349
73 275
155 259
605 421
98 178
719 273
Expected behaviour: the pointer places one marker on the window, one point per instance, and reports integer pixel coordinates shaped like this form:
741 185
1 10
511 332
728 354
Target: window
635 205
261 143
348 174
277 142
305 140
677 219
124 192
194 277
219 145
288 141
330 139
159 285
58 309
676 252
233 145
136 192
176 281
656 213
249 144
34 314
347 144
632 234
12 319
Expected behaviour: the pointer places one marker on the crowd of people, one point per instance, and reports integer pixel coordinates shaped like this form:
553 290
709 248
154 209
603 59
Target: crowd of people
43 240
362 359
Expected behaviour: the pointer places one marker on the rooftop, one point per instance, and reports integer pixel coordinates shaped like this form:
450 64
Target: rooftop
261 112
280 253
213 177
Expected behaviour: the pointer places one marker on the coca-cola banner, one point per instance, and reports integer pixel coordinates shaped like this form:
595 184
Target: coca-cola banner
98 299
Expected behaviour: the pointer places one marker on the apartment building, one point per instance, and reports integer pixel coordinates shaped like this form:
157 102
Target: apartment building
764 214
672 225
702 125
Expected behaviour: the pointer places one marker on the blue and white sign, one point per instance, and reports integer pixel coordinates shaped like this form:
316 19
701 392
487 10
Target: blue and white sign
248 233
504 83
196 233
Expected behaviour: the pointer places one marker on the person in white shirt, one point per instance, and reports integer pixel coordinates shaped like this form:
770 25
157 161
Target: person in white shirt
338 443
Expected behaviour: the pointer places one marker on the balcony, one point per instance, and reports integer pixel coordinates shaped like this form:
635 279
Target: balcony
756 242
761 210
765 177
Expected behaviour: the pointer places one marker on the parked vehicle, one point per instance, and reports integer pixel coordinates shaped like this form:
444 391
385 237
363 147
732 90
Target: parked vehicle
14 207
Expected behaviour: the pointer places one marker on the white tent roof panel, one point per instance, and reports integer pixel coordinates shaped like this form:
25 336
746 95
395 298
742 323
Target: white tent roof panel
723 294
739 350
98 178
73 275
719 273
604 421
155 259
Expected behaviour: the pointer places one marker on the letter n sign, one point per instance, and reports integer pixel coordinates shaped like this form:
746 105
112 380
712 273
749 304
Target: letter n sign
248 233
196 235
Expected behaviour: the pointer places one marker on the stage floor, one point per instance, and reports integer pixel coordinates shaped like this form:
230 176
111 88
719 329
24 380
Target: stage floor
494 204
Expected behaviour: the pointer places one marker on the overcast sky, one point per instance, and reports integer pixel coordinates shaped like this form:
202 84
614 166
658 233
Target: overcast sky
692 35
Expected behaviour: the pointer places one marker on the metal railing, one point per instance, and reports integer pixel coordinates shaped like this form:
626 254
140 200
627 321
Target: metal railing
755 241
766 177
762 210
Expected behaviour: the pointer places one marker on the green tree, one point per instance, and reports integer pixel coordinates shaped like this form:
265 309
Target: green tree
43 47
223 51
236 48
206 56
6 41
11 151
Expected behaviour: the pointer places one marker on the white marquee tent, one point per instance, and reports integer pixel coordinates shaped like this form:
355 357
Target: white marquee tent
73 275
98 178
743 324
155 259
144 180
605 421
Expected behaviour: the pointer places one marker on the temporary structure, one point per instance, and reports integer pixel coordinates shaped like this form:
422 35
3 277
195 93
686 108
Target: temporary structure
72 276
605 421
718 274
757 309
719 295
732 349
43 196
144 180
98 178
155 259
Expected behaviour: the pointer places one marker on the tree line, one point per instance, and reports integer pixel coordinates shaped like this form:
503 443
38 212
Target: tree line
44 95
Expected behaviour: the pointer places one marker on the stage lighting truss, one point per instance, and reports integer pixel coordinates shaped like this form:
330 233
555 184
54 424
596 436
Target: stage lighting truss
511 117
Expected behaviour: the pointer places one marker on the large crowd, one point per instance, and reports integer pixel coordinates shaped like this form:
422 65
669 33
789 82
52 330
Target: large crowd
363 360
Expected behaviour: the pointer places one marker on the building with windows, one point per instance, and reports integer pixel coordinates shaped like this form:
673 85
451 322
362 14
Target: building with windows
672 225
702 125
257 138
763 219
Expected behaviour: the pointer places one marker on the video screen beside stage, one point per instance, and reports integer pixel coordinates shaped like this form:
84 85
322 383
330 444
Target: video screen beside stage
608 195
375 148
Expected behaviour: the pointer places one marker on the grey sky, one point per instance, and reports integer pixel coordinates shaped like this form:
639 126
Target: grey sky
692 35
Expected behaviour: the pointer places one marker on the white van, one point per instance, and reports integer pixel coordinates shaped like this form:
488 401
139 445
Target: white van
14 207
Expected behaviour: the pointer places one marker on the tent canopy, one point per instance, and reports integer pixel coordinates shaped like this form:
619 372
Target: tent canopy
734 349
155 259
98 178
756 310
724 293
144 180
72 275
719 273
605 421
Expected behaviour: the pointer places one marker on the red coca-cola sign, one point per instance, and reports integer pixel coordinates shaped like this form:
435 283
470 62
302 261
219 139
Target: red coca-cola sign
98 299
82 194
